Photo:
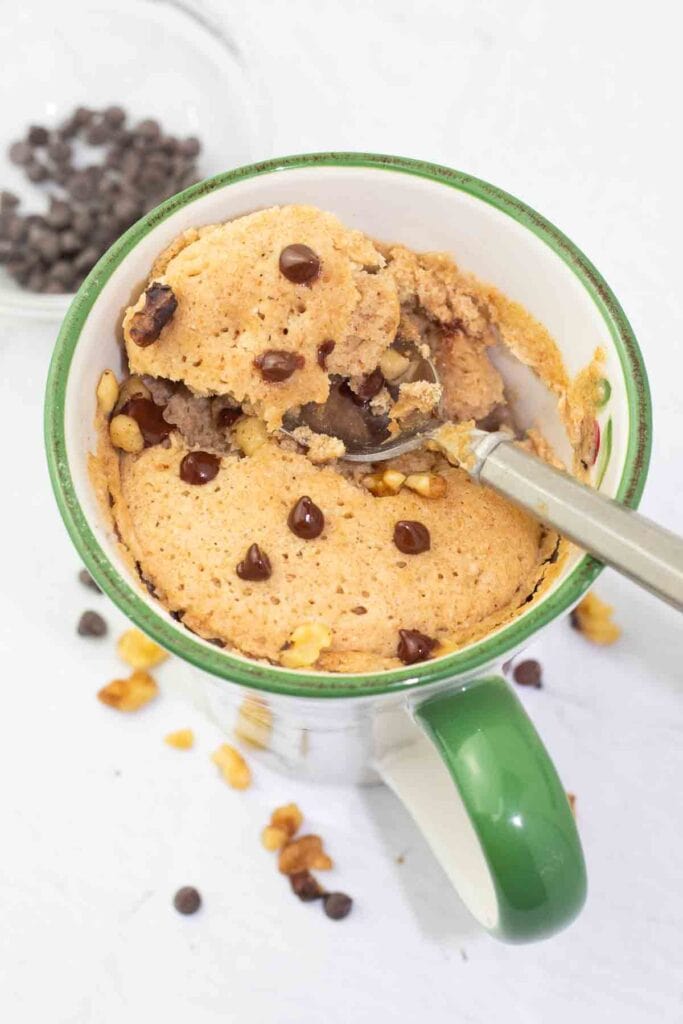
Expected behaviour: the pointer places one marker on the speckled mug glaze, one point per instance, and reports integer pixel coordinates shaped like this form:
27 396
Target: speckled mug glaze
450 739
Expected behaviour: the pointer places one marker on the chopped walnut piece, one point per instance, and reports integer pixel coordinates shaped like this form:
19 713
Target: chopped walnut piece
273 838
288 818
384 483
593 618
250 433
138 651
304 854
147 324
182 739
125 434
232 766
427 485
129 694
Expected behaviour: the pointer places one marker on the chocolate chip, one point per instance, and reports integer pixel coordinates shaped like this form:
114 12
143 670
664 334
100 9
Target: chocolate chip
114 115
8 201
414 646
227 416
189 147
360 610
410 537
20 153
255 566
306 519
86 579
299 264
276 365
337 905
59 151
87 259
148 129
324 351
69 242
370 386
59 215
306 887
91 624
37 135
187 900
199 467
148 323
97 133
82 116
36 172
149 417
528 673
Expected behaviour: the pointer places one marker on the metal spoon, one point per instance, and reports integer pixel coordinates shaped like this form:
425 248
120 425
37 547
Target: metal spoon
633 545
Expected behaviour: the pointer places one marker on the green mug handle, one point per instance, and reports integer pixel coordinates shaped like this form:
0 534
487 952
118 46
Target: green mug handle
507 836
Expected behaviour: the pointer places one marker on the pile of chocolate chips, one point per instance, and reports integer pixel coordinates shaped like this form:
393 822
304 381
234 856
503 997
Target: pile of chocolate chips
89 204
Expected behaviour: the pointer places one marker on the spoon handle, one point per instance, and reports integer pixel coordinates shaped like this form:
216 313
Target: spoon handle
618 536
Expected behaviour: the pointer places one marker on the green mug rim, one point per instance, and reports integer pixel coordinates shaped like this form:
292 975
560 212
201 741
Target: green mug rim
270 678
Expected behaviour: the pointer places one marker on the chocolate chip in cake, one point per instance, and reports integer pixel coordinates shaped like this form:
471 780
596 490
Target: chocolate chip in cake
414 646
199 467
187 900
411 537
337 905
150 419
227 416
324 351
370 386
299 264
528 673
306 520
91 624
276 365
306 887
255 566
148 323
86 579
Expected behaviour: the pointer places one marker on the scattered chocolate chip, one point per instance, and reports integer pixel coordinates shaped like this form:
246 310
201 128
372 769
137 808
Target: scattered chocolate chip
8 201
187 900
91 624
189 147
148 323
299 264
370 386
414 646
86 579
528 673
150 419
410 537
20 153
337 905
306 887
36 172
306 520
199 467
360 610
255 566
276 365
37 135
114 115
227 416
324 351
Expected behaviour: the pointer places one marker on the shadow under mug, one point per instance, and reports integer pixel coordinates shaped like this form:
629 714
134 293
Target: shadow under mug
448 735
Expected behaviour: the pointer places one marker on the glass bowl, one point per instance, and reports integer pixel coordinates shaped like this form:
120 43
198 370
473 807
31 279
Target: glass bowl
156 58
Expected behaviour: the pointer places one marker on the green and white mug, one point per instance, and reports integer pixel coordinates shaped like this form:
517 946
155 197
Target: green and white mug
449 736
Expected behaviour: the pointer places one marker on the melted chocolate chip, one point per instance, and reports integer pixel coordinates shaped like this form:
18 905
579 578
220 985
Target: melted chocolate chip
528 673
306 520
150 419
299 264
370 386
199 467
324 351
276 365
148 323
414 646
227 416
255 566
411 538
337 905
187 900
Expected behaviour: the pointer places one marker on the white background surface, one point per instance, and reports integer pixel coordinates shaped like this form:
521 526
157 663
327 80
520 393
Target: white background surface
575 108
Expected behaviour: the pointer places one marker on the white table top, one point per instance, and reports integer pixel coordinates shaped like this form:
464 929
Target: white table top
573 108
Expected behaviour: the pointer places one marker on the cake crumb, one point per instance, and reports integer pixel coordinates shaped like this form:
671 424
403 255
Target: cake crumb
320 448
